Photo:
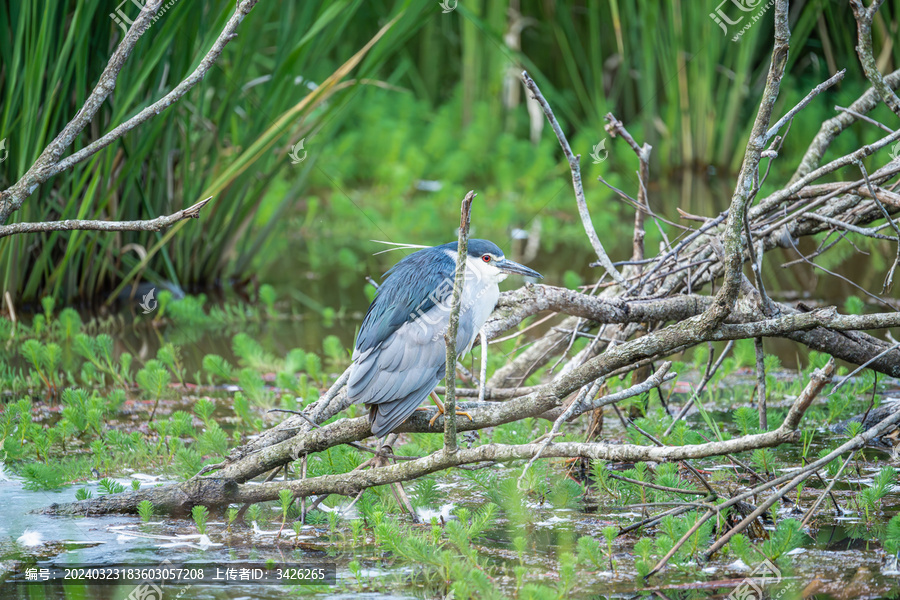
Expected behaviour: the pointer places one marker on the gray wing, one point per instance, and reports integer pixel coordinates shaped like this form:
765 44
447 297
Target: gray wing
397 376
409 290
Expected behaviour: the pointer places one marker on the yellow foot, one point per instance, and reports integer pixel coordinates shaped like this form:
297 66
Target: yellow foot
459 412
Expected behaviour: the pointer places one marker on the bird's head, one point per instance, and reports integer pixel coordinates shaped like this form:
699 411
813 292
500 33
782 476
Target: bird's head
486 259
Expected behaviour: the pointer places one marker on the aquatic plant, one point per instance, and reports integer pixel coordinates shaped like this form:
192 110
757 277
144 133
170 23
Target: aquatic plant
109 486
39 476
231 516
145 510
200 514
286 499
869 499
154 378
254 514
787 536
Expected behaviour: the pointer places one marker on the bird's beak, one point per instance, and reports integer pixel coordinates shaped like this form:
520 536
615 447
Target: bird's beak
508 266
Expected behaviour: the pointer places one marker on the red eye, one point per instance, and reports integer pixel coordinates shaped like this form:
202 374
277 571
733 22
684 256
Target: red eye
486 258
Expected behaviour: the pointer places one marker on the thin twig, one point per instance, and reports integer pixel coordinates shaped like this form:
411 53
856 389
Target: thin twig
655 486
699 389
839 276
863 366
889 279
576 181
862 117
761 383
806 100
484 362
827 492
871 232
157 224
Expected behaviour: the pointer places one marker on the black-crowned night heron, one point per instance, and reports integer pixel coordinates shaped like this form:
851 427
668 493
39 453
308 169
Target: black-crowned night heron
400 354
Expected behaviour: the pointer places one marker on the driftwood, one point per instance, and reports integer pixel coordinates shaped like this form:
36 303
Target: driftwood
650 309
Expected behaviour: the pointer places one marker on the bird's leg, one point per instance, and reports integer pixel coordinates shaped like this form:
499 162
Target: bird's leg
437 401
403 500
440 406
396 487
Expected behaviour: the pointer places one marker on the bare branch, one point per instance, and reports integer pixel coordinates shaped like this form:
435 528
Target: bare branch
216 491
833 127
852 112
157 224
576 182
616 127
868 232
49 164
803 103
728 293
12 198
761 384
465 219
864 18
889 279
229 32
817 382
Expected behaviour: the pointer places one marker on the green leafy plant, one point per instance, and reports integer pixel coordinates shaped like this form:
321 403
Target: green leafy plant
588 552
145 510
286 499
109 486
643 548
747 419
154 379
869 499
609 534
763 459
787 536
200 514
39 476
231 516
254 513
204 408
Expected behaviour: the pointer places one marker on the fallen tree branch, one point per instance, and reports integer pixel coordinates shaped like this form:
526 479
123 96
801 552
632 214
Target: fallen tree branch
833 127
819 330
538 402
216 491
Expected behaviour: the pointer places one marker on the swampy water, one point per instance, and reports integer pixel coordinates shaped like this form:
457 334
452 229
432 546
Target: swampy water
840 555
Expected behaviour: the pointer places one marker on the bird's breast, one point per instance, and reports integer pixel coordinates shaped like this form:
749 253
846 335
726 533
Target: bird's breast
479 302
